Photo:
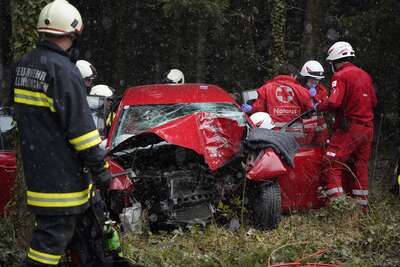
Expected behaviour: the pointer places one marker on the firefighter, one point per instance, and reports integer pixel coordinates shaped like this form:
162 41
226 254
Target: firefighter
353 99
59 139
283 98
310 76
88 73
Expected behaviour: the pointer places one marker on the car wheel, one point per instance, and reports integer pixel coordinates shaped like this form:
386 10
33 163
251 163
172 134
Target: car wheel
267 206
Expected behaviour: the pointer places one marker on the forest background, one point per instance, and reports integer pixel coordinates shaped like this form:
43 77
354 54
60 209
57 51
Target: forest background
236 44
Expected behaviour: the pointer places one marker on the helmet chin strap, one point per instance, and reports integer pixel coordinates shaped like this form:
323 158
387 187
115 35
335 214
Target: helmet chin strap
332 67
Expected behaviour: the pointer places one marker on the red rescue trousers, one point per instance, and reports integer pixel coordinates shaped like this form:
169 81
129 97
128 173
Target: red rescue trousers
349 150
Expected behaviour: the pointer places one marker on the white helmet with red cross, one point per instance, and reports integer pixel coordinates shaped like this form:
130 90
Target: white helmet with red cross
262 120
340 50
60 18
312 69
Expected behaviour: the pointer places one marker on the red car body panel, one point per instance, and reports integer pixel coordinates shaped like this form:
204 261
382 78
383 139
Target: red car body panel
122 182
299 187
175 93
216 139
8 169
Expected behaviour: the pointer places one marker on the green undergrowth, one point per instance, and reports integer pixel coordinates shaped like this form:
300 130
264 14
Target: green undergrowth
346 237
341 235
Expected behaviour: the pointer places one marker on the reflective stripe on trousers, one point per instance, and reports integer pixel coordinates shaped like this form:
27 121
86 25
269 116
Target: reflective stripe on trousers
360 192
42 257
335 190
362 202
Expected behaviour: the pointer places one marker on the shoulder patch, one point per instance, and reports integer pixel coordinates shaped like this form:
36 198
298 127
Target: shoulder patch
334 83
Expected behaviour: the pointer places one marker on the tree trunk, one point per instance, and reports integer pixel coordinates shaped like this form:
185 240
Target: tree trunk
278 21
311 33
5 53
201 71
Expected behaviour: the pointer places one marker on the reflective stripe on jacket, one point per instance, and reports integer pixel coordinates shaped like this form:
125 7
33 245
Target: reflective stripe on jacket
57 132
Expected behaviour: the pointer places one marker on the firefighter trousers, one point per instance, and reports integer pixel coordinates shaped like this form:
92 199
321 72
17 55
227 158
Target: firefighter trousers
348 153
50 239
82 235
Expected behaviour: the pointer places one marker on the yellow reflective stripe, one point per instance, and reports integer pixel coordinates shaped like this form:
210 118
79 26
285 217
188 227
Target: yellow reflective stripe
86 141
110 118
33 98
42 257
55 200
398 179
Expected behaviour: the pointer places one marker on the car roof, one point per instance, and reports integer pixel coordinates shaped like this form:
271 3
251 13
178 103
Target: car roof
175 93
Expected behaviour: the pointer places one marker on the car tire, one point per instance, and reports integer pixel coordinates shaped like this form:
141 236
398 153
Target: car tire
267 206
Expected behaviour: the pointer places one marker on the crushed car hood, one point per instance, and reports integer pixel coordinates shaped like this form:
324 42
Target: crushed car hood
217 139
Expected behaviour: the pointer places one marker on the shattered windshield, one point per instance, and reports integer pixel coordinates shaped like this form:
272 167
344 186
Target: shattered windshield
136 119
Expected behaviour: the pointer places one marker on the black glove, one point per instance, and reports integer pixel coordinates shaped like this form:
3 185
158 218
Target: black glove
103 180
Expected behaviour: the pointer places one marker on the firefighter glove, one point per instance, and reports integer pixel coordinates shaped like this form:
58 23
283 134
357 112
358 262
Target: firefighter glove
103 180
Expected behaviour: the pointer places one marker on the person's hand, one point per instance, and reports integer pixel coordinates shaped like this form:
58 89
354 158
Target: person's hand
247 108
103 180
312 91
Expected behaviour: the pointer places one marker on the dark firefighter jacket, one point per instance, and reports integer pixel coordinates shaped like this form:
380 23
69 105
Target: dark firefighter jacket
57 132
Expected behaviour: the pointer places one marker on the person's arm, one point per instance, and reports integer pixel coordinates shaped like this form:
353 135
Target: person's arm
75 118
322 93
260 105
304 99
334 101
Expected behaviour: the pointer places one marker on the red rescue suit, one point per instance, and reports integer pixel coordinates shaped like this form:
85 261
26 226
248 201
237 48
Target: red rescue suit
353 97
284 99
315 127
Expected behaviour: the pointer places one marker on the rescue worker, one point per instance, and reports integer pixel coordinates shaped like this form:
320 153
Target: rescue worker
175 76
315 127
107 92
283 98
59 139
88 73
353 99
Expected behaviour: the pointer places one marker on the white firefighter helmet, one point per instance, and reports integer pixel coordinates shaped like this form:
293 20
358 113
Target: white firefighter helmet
262 120
340 50
101 90
60 18
175 76
312 69
86 69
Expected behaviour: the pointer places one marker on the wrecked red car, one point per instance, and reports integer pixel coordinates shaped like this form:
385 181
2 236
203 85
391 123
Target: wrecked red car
7 157
183 143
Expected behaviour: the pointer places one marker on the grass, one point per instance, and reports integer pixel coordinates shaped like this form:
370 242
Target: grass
347 237
343 236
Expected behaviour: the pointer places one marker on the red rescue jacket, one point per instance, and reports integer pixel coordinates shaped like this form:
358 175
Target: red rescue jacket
352 96
283 98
